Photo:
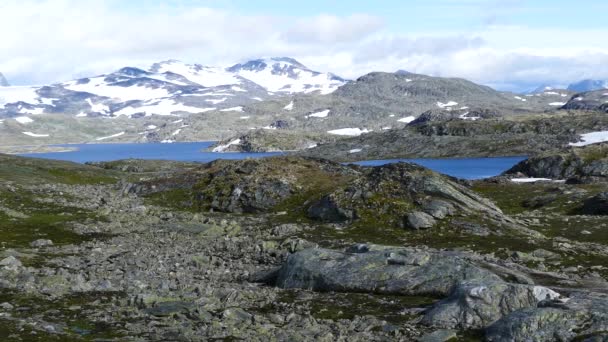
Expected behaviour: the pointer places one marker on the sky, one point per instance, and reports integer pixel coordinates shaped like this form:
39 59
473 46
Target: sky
507 44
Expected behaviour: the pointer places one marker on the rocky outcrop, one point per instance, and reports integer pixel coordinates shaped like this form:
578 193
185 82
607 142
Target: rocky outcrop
272 140
596 100
586 164
399 195
448 138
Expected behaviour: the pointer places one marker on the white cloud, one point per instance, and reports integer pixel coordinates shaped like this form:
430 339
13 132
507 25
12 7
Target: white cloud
45 41
329 29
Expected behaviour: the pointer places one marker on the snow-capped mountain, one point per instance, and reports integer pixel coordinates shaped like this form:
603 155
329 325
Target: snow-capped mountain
588 85
3 81
168 88
286 75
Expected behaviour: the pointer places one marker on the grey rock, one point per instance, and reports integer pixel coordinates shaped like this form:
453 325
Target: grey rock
419 220
10 262
476 305
582 315
403 271
41 243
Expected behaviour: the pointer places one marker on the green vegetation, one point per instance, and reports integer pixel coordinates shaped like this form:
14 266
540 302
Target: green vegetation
24 217
37 171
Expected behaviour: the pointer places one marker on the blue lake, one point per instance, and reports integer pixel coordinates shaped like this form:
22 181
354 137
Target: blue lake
176 151
467 168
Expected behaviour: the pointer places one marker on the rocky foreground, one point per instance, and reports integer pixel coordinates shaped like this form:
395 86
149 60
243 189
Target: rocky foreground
295 249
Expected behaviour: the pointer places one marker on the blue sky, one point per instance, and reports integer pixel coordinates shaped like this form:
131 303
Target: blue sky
510 44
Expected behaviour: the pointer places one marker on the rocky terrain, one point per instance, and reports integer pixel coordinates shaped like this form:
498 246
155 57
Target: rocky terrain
295 249
585 164
596 100
437 135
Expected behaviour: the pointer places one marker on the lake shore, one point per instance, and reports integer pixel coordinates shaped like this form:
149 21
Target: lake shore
37 149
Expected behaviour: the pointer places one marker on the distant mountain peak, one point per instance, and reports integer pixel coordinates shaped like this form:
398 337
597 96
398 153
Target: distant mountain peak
403 72
588 85
261 63
3 81
286 74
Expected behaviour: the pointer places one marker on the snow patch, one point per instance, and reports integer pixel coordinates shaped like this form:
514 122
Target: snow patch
289 106
34 135
465 116
24 120
98 108
18 94
557 104
217 101
349 131
407 119
233 109
543 293
445 105
222 148
592 138
111 136
530 180
205 76
162 107
321 114
100 87
355 150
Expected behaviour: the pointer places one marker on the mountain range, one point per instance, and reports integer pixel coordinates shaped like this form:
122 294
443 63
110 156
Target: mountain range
167 88
174 101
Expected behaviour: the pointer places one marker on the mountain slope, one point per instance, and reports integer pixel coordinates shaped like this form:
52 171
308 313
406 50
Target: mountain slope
283 74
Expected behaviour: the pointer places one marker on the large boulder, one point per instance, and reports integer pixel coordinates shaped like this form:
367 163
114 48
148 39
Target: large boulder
476 305
376 269
581 317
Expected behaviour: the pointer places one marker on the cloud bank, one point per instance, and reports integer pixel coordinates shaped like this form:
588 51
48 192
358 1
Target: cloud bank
45 41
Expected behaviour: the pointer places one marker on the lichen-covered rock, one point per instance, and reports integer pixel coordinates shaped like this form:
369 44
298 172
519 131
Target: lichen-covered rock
419 220
580 316
405 271
476 305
